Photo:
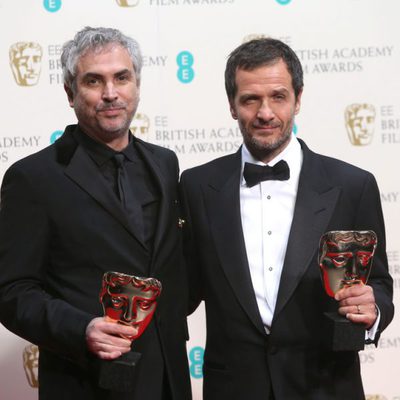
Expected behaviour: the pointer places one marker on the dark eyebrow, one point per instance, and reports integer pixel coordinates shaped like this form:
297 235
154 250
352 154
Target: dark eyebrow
280 91
123 72
91 75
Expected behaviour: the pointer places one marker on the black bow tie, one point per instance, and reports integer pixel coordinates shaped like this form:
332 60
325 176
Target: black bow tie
254 173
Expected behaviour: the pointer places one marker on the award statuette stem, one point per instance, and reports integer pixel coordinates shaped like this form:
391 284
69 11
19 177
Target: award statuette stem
119 374
342 334
345 259
127 300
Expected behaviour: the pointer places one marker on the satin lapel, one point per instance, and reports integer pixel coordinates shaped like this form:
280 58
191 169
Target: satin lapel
164 211
83 172
315 203
222 198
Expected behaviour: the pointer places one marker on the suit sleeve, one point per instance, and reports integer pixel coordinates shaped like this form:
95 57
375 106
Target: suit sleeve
26 306
189 248
370 216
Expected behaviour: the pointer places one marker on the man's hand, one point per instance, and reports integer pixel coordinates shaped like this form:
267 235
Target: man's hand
357 303
104 339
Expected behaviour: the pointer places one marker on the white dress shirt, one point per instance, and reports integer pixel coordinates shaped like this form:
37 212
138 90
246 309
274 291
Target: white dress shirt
267 212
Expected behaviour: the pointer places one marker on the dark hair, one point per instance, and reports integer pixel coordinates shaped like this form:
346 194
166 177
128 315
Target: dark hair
259 52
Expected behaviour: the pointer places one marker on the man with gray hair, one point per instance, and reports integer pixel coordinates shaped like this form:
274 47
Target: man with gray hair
98 199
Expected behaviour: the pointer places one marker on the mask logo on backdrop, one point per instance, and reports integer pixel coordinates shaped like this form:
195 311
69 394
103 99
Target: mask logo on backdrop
127 3
140 126
26 62
253 36
52 5
196 356
30 358
185 62
360 123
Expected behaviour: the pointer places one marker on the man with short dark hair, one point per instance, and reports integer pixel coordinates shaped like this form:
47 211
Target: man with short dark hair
253 224
97 200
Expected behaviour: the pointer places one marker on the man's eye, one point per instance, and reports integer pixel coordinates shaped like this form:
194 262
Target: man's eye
92 81
248 100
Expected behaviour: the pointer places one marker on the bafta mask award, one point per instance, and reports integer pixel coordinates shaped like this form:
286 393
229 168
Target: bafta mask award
345 259
127 300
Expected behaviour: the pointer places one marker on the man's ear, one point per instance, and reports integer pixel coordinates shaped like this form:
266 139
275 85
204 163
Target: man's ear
232 110
298 102
70 95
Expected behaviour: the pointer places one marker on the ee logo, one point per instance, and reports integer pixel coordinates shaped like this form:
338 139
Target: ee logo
283 2
196 356
185 62
55 135
52 5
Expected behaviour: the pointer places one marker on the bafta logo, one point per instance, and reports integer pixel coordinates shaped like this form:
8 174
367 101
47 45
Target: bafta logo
360 121
30 357
253 36
140 125
25 62
375 397
127 3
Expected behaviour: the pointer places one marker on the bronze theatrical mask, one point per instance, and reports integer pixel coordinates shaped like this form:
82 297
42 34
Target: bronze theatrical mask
129 300
345 258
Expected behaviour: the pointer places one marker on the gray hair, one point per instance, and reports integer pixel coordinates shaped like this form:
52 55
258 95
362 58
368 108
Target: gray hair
95 39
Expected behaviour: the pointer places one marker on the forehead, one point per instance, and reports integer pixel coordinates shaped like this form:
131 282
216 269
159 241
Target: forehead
274 75
110 58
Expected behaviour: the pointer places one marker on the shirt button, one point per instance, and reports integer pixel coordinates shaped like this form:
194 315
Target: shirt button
269 197
270 268
269 232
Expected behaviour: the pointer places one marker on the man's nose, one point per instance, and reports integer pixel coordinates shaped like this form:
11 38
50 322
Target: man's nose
265 112
109 92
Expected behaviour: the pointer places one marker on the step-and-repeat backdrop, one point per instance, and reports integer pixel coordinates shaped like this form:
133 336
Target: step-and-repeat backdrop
350 51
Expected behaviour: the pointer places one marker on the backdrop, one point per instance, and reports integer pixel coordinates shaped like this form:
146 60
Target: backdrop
350 110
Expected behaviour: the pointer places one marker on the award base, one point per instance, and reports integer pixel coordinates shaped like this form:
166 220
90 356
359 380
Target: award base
342 334
119 374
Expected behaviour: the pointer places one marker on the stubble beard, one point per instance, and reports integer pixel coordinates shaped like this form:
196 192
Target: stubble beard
266 150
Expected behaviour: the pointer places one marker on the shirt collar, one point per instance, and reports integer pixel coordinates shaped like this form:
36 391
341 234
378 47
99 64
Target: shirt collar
101 153
292 154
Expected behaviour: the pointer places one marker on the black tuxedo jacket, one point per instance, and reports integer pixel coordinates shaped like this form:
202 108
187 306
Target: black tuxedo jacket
61 228
241 361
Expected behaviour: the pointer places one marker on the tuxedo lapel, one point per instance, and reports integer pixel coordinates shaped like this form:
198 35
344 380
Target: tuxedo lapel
315 203
82 170
222 198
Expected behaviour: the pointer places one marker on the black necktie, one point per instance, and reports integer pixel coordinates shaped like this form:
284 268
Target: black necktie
254 173
126 194
122 180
